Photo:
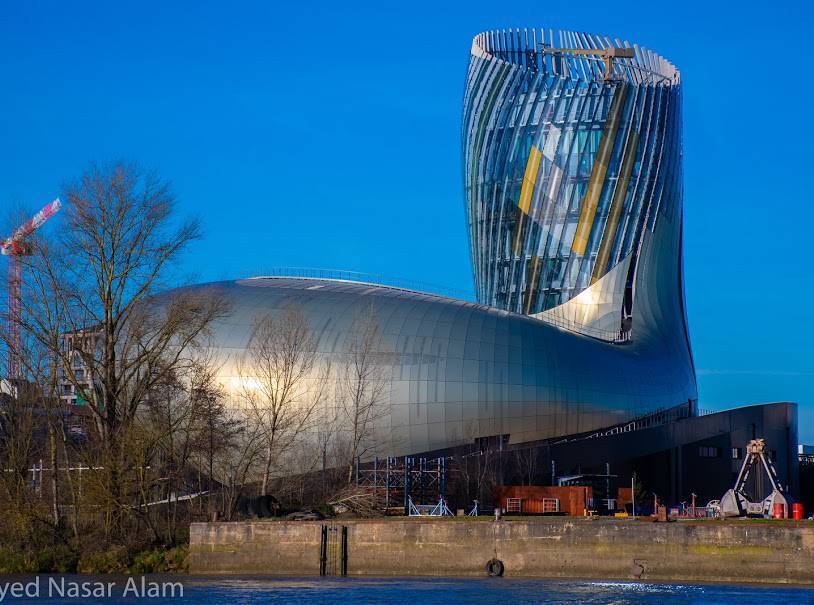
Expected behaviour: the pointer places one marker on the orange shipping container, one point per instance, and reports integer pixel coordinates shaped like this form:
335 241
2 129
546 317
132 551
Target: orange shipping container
572 500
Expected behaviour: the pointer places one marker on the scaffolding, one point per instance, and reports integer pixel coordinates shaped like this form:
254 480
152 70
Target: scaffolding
405 482
428 510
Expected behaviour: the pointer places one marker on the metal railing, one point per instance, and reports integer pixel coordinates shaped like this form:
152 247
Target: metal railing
379 279
614 336
514 505
652 419
697 512
360 277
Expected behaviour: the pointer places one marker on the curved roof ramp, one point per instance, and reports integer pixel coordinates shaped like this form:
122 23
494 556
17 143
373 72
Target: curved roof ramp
597 310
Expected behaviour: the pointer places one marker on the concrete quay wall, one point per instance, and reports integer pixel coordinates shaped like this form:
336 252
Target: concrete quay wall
710 551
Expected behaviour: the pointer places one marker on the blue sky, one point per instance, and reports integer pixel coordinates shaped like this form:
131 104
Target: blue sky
328 135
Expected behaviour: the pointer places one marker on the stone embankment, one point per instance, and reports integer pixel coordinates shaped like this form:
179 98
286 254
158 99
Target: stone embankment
621 549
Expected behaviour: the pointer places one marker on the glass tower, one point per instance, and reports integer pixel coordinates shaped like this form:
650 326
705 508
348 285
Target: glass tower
572 152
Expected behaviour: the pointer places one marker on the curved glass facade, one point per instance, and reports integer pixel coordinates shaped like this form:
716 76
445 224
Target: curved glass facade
570 154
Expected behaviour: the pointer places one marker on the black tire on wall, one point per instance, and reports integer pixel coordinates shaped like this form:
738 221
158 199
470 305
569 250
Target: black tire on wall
494 568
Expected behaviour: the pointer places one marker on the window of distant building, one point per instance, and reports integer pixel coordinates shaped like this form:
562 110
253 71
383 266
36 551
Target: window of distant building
737 453
706 451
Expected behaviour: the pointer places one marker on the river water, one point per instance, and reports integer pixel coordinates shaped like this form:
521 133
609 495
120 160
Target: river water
423 591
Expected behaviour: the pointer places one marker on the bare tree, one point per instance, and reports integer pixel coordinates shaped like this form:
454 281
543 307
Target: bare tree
217 432
526 461
233 464
174 422
117 246
36 386
363 386
475 470
328 447
18 425
276 373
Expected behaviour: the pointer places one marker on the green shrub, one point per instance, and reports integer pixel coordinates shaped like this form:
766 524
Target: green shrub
177 558
149 561
66 560
326 510
62 558
160 560
14 561
112 560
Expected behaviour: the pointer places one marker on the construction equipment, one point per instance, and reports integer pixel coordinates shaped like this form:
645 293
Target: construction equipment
735 503
607 55
14 247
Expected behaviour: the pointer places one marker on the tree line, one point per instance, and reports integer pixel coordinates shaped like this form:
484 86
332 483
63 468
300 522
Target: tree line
156 440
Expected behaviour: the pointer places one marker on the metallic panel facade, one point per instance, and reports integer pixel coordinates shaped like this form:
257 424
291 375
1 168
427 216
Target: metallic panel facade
457 370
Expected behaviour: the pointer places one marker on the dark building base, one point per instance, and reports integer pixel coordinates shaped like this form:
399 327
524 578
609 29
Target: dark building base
698 455
672 459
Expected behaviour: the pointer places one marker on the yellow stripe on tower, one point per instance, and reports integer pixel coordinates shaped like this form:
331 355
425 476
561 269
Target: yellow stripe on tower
529 180
600 168
616 207
533 271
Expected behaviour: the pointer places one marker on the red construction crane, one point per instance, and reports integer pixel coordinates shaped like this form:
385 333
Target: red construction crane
14 247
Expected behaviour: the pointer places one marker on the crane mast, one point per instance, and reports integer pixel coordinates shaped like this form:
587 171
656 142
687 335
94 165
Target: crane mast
15 246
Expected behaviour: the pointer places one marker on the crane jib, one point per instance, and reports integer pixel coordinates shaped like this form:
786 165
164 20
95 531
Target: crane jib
34 223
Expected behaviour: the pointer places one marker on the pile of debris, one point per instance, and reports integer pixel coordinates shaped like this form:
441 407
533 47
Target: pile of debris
359 501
